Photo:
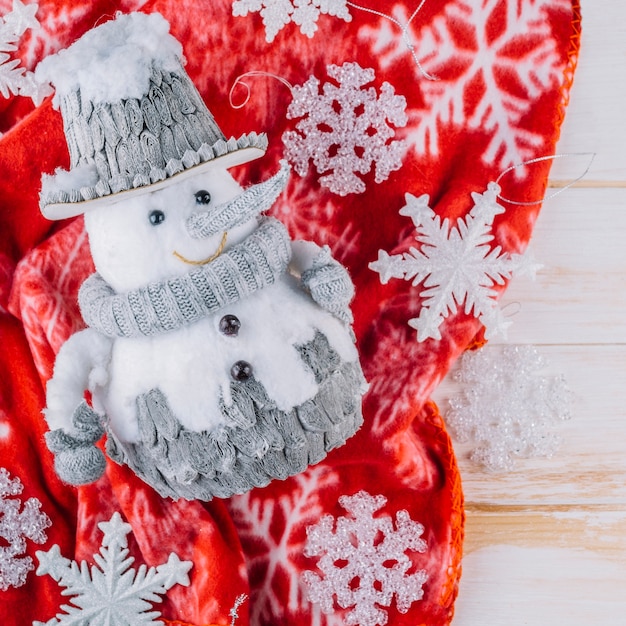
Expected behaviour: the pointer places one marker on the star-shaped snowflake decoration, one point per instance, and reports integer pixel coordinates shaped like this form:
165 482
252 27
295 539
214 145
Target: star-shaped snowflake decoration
507 408
14 79
364 561
15 527
109 592
277 14
22 17
457 265
346 129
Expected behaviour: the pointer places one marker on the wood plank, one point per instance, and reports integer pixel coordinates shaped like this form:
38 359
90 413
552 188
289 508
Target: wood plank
594 121
579 296
590 466
515 586
550 565
600 529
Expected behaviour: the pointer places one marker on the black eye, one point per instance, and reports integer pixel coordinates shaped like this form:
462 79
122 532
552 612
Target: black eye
156 217
202 197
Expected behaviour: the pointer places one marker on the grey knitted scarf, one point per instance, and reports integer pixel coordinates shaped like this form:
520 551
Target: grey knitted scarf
161 307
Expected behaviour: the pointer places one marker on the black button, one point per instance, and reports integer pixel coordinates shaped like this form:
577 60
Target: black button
241 371
230 325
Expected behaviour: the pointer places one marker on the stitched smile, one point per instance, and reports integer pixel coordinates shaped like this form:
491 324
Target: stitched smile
219 251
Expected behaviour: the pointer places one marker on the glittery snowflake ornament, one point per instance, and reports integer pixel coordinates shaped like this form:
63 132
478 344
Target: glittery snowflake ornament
277 14
13 78
457 265
15 528
346 129
110 592
364 561
506 408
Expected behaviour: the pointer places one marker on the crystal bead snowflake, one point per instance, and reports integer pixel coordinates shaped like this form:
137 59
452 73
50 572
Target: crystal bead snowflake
364 561
345 129
277 14
456 264
15 528
110 592
506 408
13 78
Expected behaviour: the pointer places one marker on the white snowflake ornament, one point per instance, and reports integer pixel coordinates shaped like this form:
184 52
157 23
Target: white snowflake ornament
110 592
364 561
14 79
456 265
15 527
277 14
506 408
22 17
346 129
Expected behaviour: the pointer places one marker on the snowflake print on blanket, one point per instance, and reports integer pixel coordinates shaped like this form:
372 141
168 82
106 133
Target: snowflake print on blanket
493 61
15 528
267 528
455 264
277 14
13 78
364 561
111 593
345 129
506 409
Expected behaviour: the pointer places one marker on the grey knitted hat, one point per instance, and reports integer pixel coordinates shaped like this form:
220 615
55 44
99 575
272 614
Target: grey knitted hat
132 118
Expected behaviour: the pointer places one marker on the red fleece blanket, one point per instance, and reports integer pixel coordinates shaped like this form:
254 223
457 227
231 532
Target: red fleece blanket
490 93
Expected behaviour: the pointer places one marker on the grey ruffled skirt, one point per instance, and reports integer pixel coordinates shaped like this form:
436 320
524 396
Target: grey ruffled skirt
257 442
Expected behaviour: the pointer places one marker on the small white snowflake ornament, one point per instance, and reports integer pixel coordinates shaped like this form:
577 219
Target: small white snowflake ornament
456 265
346 129
277 14
506 408
364 561
13 78
15 527
110 592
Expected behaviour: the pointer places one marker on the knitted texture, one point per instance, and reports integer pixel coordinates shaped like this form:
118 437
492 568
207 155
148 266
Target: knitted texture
251 202
162 307
258 443
329 284
134 143
77 461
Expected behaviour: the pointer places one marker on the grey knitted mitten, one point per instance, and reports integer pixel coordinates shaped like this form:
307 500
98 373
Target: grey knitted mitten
330 285
77 461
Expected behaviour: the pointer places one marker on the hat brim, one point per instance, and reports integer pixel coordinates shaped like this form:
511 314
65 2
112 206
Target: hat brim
64 210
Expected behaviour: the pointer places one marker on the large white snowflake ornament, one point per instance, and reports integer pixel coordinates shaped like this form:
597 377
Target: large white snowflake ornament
15 527
455 263
364 561
506 408
277 14
13 78
346 129
110 592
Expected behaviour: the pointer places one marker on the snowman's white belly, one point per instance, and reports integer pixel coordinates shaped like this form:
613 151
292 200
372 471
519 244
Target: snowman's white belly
192 366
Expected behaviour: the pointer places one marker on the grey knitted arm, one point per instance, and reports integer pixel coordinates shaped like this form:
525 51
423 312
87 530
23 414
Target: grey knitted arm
330 285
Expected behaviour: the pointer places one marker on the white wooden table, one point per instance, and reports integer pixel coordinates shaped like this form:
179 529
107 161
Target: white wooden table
546 543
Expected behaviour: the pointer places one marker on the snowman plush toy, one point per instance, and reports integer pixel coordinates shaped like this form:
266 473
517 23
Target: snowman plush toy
218 354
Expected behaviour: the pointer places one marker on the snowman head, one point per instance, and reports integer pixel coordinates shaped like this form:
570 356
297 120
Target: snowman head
145 238
150 237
